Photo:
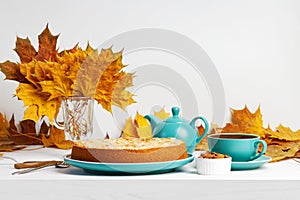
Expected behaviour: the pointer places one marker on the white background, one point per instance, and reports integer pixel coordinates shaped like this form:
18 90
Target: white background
255 45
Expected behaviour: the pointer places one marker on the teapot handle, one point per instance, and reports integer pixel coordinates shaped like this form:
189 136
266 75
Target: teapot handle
192 123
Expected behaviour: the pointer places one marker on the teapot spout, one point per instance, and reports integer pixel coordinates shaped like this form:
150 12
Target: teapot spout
154 121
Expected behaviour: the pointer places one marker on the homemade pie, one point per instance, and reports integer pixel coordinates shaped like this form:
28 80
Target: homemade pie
129 150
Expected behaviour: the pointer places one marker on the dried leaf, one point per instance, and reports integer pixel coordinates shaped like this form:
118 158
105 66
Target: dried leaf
129 130
11 147
47 46
25 50
203 144
162 114
44 129
27 126
12 72
56 139
38 104
112 83
138 128
244 121
3 128
284 133
22 138
278 152
140 121
12 123
143 126
200 129
297 155
121 97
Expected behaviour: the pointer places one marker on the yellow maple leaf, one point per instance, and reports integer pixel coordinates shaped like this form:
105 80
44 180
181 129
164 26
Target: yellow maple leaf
140 121
143 126
121 97
130 129
279 152
59 85
162 114
111 84
138 128
244 121
38 104
56 139
284 133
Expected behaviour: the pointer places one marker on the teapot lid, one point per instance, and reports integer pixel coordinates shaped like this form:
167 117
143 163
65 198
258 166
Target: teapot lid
175 118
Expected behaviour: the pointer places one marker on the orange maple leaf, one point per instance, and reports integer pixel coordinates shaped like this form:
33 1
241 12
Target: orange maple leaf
243 121
57 139
3 127
25 50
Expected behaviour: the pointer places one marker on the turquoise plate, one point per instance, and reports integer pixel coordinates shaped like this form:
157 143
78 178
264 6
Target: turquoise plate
137 168
250 164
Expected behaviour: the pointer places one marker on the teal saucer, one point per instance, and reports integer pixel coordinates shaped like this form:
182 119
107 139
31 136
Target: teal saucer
254 164
128 168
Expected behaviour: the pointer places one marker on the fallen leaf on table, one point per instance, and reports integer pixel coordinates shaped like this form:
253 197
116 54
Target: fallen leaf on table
277 152
27 126
284 133
44 129
21 138
297 155
11 147
4 135
56 138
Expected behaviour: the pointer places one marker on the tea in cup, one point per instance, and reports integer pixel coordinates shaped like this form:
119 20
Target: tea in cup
241 147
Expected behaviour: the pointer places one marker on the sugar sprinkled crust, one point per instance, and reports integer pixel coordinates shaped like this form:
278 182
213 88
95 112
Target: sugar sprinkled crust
133 150
130 144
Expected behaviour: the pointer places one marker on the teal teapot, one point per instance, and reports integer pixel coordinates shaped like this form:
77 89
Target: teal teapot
179 128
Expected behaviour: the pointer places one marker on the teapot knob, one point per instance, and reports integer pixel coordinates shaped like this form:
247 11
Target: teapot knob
175 111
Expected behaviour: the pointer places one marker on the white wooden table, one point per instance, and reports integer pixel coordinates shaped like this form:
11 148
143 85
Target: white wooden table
280 180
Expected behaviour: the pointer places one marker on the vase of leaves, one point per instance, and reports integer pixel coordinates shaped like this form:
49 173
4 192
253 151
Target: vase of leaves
49 78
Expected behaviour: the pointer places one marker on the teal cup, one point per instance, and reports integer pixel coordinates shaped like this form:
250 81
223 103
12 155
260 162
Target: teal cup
241 147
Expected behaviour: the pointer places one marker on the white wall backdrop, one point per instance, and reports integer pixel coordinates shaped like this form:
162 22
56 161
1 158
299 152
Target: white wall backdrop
255 44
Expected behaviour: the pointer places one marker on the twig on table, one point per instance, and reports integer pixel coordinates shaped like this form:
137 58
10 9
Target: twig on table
10 158
296 159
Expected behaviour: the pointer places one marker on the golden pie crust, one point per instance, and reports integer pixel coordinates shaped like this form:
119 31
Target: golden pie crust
133 150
